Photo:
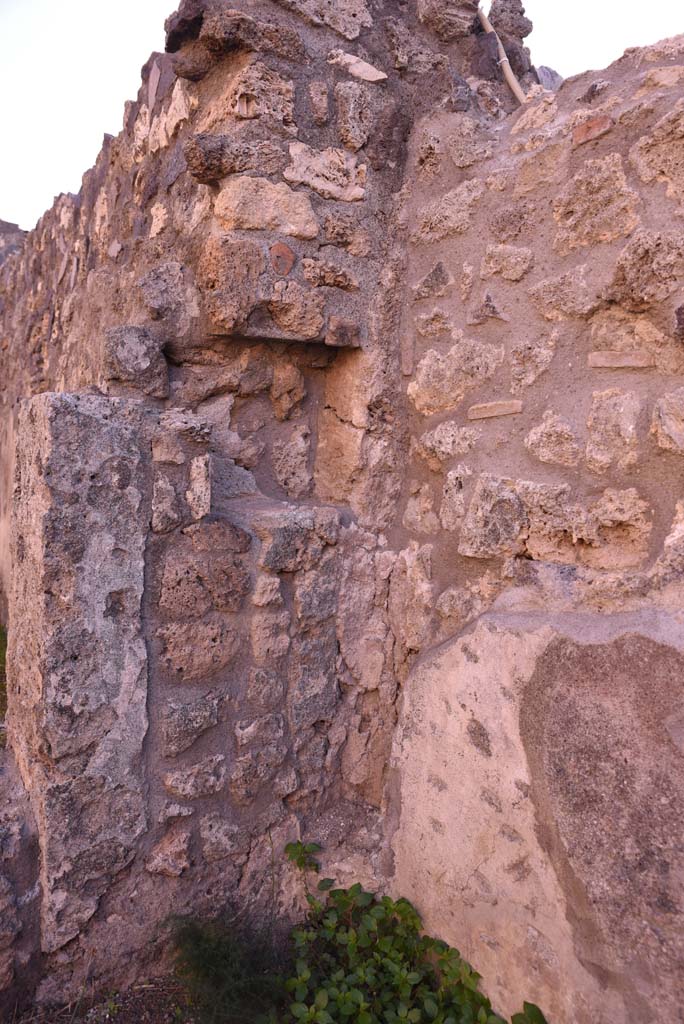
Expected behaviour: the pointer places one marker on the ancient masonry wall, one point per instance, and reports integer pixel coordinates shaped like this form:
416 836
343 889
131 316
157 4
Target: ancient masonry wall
341 438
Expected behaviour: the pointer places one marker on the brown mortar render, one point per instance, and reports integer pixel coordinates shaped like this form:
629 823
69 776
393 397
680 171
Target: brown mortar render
341 426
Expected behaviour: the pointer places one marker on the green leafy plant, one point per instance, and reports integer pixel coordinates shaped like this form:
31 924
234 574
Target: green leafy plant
363 959
229 976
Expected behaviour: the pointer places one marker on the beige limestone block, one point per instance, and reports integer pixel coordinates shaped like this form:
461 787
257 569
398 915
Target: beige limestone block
256 204
450 215
510 261
338 457
554 441
595 206
333 173
668 422
446 441
442 380
206 778
657 157
530 359
648 270
613 439
170 856
572 294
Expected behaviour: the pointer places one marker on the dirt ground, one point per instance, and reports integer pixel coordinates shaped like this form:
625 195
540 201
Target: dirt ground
159 1002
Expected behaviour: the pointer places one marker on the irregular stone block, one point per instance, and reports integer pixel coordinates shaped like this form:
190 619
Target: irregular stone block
171 855
182 724
354 114
333 173
228 276
657 157
256 204
495 520
554 441
212 157
442 381
569 295
648 270
220 840
450 215
448 19
668 421
530 359
206 778
198 494
290 460
591 129
192 651
133 356
167 513
419 516
78 718
356 67
595 206
434 284
489 410
298 312
452 510
342 333
348 17
443 443
612 423
318 100
258 93
511 262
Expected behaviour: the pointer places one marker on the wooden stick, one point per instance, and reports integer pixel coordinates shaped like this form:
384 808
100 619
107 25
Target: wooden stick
513 82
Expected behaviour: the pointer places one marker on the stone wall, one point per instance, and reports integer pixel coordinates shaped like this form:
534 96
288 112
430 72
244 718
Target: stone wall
343 409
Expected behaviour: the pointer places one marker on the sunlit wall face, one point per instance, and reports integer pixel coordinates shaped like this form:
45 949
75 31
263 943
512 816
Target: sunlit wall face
68 67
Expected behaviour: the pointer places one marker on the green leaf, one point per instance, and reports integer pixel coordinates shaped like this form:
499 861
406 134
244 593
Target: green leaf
430 1007
313 848
325 884
364 1018
414 1015
533 1014
321 1000
299 1010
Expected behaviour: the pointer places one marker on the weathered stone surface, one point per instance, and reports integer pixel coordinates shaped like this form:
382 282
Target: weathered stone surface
256 204
170 857
355 114
647 270
228 278
444 443
508 260
212 157
332 173
596 206
554 441
348 17
297 311
569 295
562 717
442 381
451 215
668 421
489 410
221 840
420 516
530 359
182 724
453 507
205 778
469 142
291 461
133 356
192 651
657 157
612 423
78 736
449 19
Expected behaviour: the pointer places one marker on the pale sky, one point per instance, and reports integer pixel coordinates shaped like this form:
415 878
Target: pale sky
68 66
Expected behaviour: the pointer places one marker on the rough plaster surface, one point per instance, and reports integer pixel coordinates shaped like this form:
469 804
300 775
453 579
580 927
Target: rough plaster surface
344 405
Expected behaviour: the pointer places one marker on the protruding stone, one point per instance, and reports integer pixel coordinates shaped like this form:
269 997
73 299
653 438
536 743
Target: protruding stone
591 129
133 356
356 66
448 19
206 778
333 173
489 410
182 724
450 215
595 206
171 856
612 423
348 17
443 443
256 204
668 422
553 441
442 381
511 262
